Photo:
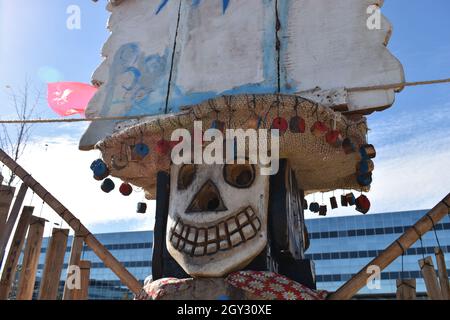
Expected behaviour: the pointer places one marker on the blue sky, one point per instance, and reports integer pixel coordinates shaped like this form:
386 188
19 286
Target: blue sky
412 137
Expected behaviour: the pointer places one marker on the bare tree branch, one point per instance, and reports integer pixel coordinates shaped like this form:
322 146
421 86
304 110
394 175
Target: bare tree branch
14 140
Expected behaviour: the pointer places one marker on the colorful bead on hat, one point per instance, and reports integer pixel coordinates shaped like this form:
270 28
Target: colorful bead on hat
141 207
367 151
163 147
280 124
334 138
344 202
99 169
362 204
350 199
297 125
108 185
333 203
314 207
125 189
140 151
364 180
365 166
319 129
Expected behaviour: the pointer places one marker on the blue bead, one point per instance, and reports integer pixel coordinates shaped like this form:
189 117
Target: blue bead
141 149
108 185
99 168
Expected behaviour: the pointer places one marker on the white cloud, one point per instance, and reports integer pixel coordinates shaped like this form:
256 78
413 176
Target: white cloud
64 171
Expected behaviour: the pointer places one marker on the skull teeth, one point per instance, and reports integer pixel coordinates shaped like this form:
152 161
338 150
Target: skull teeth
223 236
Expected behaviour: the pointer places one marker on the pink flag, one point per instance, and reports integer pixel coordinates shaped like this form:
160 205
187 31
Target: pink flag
69 98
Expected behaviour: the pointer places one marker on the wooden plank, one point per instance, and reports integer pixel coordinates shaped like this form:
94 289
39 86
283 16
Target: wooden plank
85 271
6 197
137 65
430 278
54 260
393 251
8 229
75 257
221 52
442 272
31 259
107 258
9 269
319 52
406 289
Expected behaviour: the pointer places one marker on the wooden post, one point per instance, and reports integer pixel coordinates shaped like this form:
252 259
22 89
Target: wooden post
9 226
83 292
31 259
107 258
442 272
9 269
75 257
54 260
430 278
406 289
6 196
405 241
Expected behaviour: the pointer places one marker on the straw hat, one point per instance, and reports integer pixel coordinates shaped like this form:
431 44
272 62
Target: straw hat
316 155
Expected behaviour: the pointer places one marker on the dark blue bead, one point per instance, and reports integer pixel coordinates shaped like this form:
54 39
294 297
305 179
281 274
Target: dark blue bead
108 185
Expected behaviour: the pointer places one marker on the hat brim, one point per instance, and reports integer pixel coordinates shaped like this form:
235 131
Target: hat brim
318 165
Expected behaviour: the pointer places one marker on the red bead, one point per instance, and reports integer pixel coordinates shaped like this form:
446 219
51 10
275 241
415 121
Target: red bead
163 147
280 124
319 129
297 125
334 138
126 189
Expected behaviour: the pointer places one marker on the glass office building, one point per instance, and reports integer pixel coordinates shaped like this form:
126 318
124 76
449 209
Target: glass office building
340 247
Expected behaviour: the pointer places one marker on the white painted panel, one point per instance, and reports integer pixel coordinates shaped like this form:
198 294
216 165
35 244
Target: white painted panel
135 72
329 45
224 52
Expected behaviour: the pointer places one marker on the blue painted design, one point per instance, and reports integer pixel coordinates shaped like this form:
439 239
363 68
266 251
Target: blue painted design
137 83
195 3
288 85
161 6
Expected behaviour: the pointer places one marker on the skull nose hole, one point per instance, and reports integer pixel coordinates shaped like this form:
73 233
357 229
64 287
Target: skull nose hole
207 199
213 204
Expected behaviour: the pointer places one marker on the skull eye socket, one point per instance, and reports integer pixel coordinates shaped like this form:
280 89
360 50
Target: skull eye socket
239 175
186 176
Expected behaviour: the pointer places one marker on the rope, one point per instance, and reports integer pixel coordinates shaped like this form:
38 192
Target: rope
401 84
138 117
435 232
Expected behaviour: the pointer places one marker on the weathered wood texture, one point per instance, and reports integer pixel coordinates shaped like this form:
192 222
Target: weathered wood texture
442 272
107 258
85 271
392 252
6 196
31 259
406 289
10 267
75 257
9 226
54 259
430 278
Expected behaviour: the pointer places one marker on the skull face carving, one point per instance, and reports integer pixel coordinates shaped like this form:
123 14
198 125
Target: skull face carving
217 219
